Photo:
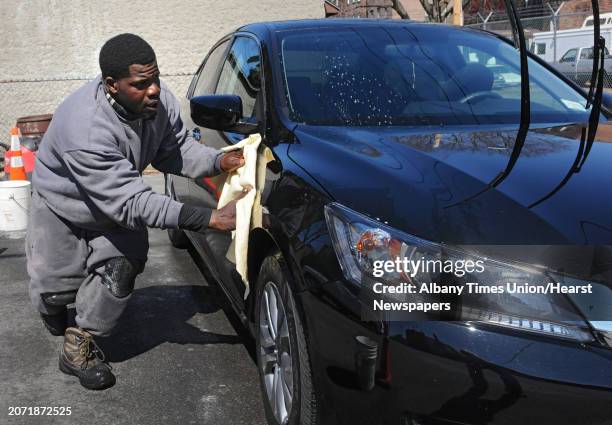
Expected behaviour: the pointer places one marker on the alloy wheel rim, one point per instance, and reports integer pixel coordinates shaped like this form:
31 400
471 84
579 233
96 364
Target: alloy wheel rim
275 353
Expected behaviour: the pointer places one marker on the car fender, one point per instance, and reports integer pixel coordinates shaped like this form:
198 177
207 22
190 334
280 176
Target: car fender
265 242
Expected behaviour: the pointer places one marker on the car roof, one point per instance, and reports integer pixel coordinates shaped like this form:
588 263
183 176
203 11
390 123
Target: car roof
261 28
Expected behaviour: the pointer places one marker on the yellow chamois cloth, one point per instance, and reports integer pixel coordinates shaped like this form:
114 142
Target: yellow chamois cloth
248 209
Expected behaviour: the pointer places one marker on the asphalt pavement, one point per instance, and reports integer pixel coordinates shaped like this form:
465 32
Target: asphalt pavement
179 353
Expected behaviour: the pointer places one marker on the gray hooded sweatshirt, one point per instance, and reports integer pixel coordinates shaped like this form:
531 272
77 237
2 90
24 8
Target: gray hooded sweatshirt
89 166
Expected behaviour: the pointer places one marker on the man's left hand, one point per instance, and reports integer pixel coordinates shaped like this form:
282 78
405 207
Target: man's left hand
231 161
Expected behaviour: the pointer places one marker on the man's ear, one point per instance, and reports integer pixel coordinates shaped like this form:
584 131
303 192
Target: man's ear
111 85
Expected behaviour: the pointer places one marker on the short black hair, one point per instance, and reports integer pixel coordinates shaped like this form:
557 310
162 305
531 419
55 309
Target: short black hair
121 51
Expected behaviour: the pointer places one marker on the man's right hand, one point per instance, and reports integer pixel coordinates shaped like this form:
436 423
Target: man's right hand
225 218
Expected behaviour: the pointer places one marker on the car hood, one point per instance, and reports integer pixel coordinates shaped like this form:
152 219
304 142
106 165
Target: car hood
433 182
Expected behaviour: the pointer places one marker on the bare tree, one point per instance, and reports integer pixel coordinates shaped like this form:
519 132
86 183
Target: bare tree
437 10
399 8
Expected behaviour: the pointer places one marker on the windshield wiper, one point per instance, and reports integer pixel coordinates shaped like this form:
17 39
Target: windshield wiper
568 175
594 99
519 41
595 107
595 95
597 39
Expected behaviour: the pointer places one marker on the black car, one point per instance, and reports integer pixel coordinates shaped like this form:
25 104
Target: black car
391 140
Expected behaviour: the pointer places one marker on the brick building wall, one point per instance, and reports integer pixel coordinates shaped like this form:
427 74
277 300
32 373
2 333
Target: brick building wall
414 9
378 9
572 13
582 9
381 9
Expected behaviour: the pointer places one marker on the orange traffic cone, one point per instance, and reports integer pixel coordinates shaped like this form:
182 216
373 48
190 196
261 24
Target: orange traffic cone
17 170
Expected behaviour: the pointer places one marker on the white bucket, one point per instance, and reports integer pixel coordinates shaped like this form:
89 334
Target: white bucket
14 205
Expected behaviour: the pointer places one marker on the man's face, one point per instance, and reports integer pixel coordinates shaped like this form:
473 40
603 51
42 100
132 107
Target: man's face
138 93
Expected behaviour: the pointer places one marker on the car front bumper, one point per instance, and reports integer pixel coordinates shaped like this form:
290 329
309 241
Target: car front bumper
444 372
435 372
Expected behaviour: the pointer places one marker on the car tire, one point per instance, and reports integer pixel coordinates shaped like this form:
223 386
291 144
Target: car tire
177 237
282 350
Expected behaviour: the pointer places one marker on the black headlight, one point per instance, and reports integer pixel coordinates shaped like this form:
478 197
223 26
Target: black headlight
363 245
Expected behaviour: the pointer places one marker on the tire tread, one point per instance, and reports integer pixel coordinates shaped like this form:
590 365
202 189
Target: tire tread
273 265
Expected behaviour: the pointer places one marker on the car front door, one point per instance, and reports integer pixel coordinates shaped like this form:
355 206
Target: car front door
239 74
567 64
204 83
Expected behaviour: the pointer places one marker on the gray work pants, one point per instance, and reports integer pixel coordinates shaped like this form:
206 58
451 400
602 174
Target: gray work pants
63 257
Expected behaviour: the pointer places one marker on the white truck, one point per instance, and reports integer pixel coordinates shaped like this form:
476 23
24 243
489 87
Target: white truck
543 43
604 19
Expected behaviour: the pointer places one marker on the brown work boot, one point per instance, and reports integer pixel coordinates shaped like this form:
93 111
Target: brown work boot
80 356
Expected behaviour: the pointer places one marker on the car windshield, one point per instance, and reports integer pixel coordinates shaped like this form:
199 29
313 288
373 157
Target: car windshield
415 74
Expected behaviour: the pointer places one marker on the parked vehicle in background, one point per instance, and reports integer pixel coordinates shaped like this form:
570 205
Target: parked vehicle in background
577 65
604 20
542 44
386 136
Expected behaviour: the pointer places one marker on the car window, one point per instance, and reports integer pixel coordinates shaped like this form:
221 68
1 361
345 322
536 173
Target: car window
241 73
206 78
586 53
590 22
415 74
506 79
569 56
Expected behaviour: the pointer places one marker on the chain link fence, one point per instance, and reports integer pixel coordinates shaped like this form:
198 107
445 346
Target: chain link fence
564 40
41 96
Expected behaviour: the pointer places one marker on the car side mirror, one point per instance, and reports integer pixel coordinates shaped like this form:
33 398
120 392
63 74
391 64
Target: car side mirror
220 112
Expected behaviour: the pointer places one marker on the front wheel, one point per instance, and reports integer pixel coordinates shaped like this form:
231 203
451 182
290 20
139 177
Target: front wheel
282 352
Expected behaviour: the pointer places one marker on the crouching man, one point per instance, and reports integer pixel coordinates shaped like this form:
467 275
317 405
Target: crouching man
87 237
